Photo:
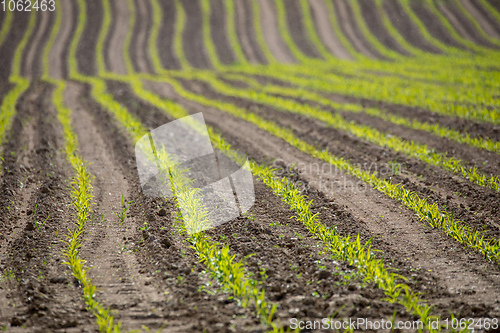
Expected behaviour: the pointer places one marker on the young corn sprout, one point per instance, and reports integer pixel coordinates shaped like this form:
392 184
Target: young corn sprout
37 224
124 208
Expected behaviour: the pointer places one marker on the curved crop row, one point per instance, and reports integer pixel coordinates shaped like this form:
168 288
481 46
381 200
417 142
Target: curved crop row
434 97
21 84
409 148
430 213
220 263
6 25
345 248
436 129
81 194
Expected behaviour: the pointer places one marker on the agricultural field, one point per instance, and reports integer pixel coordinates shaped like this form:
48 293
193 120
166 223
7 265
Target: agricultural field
371 130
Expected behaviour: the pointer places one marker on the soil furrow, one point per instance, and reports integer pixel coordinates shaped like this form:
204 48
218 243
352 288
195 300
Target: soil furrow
487 162
475 204
9 45
374 23
464 28
272 35
192 36
406 27
485 19
114 271
143 20
320 17
473 128
118 34
432 24
166 35
32 65
296 27
351 30
218 32
405 230
41 291
85 51
244 30
57 55
164 257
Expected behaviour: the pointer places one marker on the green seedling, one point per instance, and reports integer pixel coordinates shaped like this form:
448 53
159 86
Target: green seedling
39 225
124 208
7 275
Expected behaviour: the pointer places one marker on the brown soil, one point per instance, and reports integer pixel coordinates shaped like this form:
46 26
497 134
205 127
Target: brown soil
297 30
436 29
405 26
9 45
140 43
194 50
374 23
464 27
218 19
144 268
479 198
59 51
41 292
246 33
277 260
85 52
320 17
350 29
116 39
272 36
166 35
485 18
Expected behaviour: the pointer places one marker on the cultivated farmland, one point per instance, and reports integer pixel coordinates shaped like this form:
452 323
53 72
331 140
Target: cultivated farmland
372 131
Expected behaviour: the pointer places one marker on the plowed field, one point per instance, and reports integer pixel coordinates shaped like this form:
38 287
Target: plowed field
372 128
